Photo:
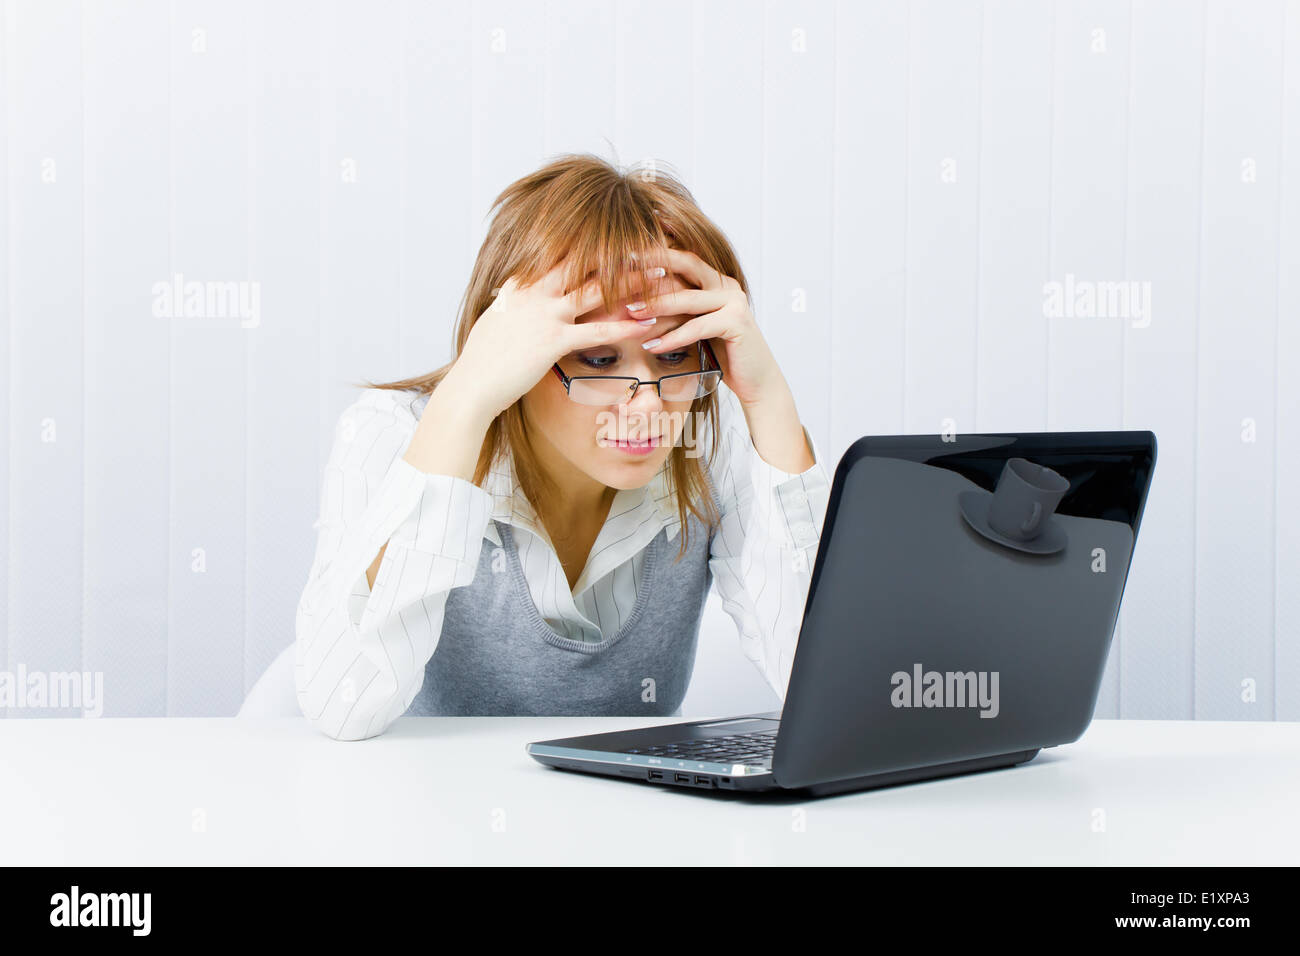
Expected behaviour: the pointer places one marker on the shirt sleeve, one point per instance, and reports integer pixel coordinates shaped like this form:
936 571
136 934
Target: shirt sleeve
763 553
360 655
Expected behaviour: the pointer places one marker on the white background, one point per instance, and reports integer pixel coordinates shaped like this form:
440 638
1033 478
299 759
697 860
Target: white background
899 179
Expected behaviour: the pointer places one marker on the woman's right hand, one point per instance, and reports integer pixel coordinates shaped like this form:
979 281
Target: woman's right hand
526 330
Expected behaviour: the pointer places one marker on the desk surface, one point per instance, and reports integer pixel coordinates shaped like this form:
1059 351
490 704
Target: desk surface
146 791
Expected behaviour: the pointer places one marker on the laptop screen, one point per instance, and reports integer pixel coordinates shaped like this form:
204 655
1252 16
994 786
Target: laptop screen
1000 559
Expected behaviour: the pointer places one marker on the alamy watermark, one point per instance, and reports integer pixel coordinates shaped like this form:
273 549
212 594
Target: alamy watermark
62 690
946 689
1087 299
76 908
610 426
213 299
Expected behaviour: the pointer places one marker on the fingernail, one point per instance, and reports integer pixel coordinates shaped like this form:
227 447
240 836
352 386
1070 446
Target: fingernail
649 321
657 272
651 344
635 306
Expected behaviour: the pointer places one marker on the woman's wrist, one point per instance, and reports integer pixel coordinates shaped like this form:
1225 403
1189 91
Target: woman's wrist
776 431
463 396
450 433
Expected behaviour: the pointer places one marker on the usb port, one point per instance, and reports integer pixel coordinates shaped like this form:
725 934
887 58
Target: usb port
682 778
656 774
699 779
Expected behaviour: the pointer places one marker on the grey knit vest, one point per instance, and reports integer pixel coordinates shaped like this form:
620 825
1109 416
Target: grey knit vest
496 655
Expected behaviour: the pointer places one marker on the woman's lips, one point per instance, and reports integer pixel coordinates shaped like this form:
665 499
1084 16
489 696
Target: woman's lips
633 447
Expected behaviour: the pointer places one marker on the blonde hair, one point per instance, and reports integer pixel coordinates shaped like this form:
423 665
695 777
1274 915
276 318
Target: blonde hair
581 205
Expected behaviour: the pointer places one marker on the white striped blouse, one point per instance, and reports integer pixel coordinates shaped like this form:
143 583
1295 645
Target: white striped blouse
361 656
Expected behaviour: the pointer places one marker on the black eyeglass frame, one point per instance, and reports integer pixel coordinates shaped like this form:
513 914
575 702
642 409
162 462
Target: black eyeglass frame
702 344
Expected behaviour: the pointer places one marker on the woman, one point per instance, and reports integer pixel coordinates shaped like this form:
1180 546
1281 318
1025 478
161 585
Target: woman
497 537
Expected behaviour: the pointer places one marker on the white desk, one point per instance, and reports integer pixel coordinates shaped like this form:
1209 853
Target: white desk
461 790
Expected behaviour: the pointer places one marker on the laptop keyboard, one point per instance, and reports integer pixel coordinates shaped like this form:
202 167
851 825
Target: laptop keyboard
755 748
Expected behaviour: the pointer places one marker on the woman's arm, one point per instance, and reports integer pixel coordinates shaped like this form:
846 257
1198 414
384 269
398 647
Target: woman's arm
763 553
446 441
362 640
776 431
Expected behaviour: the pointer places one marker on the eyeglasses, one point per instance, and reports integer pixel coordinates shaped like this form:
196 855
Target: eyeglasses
617 389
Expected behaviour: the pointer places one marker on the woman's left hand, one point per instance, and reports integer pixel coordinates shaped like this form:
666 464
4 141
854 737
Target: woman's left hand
722 315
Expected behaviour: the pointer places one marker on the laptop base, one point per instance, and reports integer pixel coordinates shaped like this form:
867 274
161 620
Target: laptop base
765 784
956 768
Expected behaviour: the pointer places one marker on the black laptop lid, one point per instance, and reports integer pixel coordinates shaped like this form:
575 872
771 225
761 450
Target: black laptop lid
950 616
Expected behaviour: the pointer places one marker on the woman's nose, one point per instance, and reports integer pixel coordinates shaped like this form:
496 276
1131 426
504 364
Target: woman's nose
646 398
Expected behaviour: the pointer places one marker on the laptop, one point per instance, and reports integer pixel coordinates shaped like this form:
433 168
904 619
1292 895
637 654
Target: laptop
958 619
